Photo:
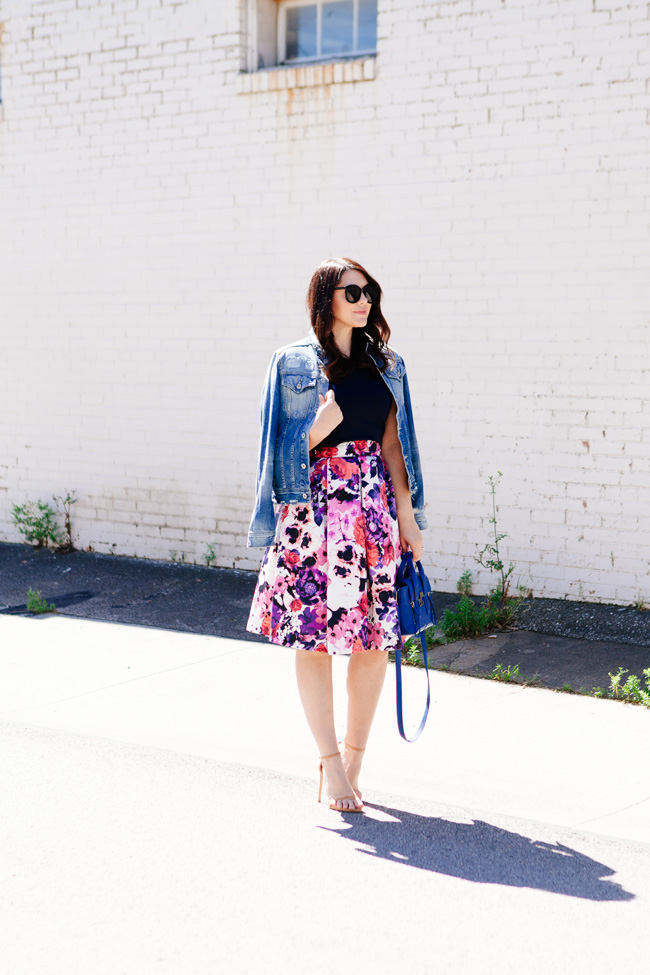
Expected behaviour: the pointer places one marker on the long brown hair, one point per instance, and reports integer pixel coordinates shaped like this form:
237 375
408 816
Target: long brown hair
319 305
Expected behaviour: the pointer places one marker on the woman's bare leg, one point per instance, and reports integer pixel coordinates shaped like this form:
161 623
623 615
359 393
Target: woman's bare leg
314 675
366 674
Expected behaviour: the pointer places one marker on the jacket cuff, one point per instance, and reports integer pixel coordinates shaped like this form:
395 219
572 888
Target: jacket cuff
260 539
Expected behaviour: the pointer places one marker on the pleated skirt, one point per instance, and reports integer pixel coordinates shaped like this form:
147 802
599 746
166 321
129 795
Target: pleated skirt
327 583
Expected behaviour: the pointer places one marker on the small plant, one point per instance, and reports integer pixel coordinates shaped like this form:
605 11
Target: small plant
632 690
615 681
210 555
464 584
598 692
36 522
466 619
531 681
500 611
37 604
640 604
174 556
567 689
469 620
507 674
66 504
511 675
412 652
492 560
412 648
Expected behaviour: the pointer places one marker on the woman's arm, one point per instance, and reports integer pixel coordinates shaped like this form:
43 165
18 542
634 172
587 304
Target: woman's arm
391 451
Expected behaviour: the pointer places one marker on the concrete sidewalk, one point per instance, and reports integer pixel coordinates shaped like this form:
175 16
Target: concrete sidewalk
571 761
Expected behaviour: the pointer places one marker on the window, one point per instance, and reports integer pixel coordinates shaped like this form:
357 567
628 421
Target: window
311 42
325 30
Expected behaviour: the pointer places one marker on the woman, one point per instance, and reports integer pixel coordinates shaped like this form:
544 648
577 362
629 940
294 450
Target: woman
338 453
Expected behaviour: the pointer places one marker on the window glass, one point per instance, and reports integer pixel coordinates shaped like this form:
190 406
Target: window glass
326 29
367 28
302 32
337 27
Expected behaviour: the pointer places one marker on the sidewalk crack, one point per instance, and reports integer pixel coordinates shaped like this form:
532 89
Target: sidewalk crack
614 812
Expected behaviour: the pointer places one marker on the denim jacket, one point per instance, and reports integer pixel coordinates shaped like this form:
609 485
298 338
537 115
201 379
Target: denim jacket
294 379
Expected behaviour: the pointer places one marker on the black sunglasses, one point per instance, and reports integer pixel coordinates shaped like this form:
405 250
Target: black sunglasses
353 292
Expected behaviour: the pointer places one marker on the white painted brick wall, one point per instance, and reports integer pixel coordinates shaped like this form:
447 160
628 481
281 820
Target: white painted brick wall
160 225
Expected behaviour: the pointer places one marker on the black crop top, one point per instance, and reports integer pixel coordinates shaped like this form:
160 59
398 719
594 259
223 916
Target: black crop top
365 402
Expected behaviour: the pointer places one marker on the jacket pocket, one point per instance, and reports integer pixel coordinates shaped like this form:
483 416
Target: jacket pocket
298 393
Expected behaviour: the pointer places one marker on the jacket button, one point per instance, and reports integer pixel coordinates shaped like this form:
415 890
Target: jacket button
302 436
297 385
304 495
303 466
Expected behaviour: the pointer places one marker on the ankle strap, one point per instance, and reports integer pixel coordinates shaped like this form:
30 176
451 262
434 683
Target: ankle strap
353 747
322 757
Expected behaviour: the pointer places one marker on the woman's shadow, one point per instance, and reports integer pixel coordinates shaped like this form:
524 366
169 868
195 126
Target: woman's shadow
480 852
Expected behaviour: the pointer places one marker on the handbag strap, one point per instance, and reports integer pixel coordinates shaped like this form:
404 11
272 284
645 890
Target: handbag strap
398 684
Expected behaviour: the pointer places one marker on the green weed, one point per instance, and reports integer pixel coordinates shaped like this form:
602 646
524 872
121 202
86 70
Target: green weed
489 556
464 584
500 611
36 523
632 690
66 504
507 674
412 648
466 619
37 604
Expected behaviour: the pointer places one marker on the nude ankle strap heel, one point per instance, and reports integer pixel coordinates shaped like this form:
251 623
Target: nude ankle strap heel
320 769
354 749
335 799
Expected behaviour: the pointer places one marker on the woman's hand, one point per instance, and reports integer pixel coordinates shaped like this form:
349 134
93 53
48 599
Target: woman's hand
410 536
328 412
327 418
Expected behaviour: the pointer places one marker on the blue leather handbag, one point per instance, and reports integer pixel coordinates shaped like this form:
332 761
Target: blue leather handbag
416 611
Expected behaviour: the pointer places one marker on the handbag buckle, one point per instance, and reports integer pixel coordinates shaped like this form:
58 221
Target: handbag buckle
421 598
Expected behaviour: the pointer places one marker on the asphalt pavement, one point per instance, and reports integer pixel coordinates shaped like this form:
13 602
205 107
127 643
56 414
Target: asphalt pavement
562 642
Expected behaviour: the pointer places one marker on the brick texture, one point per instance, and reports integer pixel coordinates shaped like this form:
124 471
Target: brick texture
162 215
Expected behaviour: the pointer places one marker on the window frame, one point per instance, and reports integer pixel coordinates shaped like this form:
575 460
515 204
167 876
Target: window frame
285 5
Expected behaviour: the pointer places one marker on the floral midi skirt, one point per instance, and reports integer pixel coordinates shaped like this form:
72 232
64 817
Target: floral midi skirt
327 582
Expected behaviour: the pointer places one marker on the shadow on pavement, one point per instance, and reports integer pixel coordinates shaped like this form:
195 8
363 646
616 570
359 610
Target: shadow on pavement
62 600
481 853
